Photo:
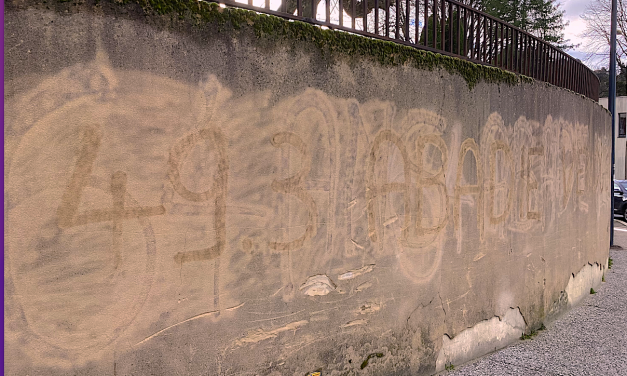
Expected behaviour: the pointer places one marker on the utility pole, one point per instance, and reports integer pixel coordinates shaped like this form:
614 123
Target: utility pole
611 104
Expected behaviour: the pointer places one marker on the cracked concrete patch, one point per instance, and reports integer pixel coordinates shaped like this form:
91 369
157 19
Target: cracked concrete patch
579 286
481 339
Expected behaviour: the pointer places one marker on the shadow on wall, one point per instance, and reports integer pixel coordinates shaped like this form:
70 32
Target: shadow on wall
142 211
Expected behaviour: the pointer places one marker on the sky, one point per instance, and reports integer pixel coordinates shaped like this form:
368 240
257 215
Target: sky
573 10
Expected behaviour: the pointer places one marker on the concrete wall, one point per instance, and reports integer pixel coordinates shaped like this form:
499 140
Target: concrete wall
620 168
197 200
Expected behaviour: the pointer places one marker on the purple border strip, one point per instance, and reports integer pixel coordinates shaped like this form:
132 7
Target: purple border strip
3 213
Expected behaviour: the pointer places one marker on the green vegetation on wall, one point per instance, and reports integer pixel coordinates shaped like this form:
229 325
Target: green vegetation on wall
332 44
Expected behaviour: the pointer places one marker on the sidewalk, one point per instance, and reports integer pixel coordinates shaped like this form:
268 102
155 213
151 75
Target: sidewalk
591 339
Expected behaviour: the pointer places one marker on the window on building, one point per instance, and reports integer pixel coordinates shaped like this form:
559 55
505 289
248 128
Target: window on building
622 125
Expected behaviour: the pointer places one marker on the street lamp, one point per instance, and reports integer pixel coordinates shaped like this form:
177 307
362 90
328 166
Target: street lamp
611 104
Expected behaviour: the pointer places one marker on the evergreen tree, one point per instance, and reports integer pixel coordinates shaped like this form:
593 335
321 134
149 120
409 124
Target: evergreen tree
542 18
604 81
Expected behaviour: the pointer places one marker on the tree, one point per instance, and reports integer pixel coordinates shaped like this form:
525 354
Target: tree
542 18
604 79
597 33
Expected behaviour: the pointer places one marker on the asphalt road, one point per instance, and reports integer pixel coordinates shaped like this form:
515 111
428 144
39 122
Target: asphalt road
591 339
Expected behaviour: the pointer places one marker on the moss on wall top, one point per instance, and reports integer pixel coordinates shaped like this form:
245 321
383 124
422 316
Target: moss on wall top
332 44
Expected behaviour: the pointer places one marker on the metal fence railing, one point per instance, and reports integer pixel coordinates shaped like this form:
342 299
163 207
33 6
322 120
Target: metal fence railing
443 26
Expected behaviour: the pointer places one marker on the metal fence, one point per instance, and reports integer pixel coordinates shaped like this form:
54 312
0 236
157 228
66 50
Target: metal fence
442 26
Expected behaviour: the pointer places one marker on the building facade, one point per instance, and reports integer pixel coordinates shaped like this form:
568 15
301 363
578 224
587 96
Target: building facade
620 136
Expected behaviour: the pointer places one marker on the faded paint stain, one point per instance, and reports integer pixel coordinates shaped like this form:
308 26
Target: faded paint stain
317 285
368 308
363 286
262 335
355 323
356 272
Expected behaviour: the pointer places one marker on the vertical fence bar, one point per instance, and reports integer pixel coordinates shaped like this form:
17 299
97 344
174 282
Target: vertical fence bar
568 74
407 38
505 37
542 54
510 59
502 41
491 43
521 52
551 67
425 33
560 70
435 25
549 63
450 27
313 9
578 72
484 51
533 65
540 58
365 18
546 61
537 59
353 13
443 25
488 41
527 56
584 80
580 76
495 43
575 78
571 73
531 56
564 71
328 10
341 10
387 18
478 37
376 17
512 50
574 75
458 31
515 50
534 60
472 38
416 22
397 27
554 66
464 31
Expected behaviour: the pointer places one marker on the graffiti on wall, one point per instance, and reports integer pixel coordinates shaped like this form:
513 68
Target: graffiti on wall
131 195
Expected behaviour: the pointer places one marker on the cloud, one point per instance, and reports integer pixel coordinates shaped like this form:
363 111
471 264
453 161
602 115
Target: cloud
574 8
